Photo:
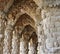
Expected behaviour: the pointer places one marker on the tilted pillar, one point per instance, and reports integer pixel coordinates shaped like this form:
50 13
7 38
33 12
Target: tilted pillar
23 46
8 32
8 37
32 47
33 44
7 41
2 27
15 42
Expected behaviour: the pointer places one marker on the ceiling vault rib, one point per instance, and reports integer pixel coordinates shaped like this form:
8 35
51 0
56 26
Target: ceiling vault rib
9 4
17 17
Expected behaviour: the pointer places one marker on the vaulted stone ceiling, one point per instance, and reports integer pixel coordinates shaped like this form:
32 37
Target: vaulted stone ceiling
25 20
20 12
17 18
14 7
28 7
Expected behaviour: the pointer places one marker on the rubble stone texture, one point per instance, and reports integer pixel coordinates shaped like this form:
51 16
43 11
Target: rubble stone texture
15 42
29 26
32 48
51 23
23 46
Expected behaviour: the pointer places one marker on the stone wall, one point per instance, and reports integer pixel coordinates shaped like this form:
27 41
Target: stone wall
51 26
37 20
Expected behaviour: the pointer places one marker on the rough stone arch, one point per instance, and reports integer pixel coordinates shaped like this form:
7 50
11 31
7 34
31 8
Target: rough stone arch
33 43
24 20
24 23
28 30
27 34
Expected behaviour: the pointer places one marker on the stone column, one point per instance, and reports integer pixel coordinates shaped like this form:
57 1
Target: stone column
15 42
8 35
23 46
2 27
7 40
32 47
41 37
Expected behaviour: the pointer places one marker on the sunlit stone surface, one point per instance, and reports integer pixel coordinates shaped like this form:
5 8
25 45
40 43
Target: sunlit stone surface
7 41
23 46
32 48
38 26
15 42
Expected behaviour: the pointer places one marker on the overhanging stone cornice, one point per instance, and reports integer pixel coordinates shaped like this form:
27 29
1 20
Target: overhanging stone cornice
47 3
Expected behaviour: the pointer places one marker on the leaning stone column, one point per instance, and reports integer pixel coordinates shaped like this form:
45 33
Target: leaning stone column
32 47
2 27
8 33
41 37
15 42
23 46
8 36
7 40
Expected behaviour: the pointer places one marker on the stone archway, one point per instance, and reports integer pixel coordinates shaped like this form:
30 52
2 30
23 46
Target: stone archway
26 35
33 44
24 26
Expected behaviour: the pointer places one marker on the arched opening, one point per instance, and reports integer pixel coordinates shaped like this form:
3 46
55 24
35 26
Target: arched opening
24 20
33 44
23 29
24 40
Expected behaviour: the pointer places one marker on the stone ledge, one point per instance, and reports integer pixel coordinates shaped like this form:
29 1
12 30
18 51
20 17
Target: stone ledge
51 3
